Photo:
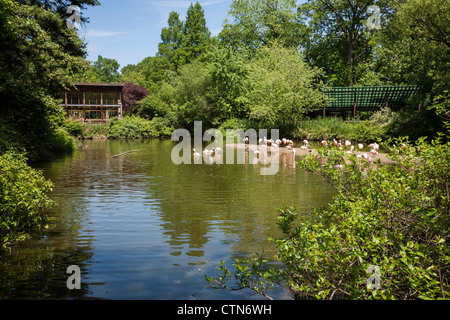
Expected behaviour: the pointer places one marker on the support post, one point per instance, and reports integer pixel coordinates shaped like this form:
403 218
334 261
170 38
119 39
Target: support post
84 104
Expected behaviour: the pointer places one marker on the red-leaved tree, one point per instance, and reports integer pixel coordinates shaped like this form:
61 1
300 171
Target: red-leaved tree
131 95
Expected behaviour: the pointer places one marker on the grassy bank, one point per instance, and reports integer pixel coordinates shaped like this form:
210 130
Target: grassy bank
131 127
381 125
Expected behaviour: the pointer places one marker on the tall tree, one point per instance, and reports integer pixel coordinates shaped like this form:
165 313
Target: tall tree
196 33
416 46
60 6
105 70
338 28
257 23
36 50
282 87
172 38
183 42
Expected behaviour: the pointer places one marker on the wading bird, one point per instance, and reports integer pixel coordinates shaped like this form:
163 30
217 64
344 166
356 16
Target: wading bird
195 153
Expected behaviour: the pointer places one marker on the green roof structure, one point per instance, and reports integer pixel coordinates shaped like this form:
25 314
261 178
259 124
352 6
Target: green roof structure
367 98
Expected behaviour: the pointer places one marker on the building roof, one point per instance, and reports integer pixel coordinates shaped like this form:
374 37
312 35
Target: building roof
96 84
370 97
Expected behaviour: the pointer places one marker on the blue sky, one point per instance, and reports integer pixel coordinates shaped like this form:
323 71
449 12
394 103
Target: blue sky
129 30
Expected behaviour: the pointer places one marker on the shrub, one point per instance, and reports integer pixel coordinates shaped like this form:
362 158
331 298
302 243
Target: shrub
22 198
60 140
75 128
95 130
135 127
322 128
394 219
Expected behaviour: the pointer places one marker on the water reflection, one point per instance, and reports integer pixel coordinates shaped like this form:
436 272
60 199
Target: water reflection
141 227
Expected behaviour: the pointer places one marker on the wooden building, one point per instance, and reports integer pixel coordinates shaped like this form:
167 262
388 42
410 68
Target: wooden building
93 102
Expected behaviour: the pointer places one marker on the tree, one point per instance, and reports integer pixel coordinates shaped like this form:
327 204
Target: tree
338 30
131 95
196 34
258 23
415 47
60 6
282 87
172 38
228 72
182 43
105 70
37 50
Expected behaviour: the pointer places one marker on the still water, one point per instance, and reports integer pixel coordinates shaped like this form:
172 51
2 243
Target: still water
141 227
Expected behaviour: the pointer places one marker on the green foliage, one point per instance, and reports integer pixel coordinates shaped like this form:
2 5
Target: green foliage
258 23
183 42
339 41
75 128
22 198
94 131
282 87
395 217
228 72
133 127
415 47
37 50
103 70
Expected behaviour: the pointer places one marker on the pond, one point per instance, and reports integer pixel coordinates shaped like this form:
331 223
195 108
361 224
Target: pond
141 227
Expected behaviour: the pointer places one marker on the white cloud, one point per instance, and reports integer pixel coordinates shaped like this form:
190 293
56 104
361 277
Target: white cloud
102 33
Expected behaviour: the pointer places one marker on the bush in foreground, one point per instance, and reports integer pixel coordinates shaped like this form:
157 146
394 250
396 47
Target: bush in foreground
394 219
22 198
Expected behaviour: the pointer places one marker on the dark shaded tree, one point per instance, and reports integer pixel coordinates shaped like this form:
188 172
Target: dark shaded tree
131 95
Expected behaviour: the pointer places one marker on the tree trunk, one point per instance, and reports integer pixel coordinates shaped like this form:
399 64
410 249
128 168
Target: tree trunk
349 47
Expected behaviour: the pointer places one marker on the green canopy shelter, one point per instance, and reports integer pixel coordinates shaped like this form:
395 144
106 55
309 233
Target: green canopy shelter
366 98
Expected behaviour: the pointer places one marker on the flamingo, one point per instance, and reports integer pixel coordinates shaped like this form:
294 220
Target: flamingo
360 146
245 139
324 143
208 152
195 153
348 143
304 147
374 146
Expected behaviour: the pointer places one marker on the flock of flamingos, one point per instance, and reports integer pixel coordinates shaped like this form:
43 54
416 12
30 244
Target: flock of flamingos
289 145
